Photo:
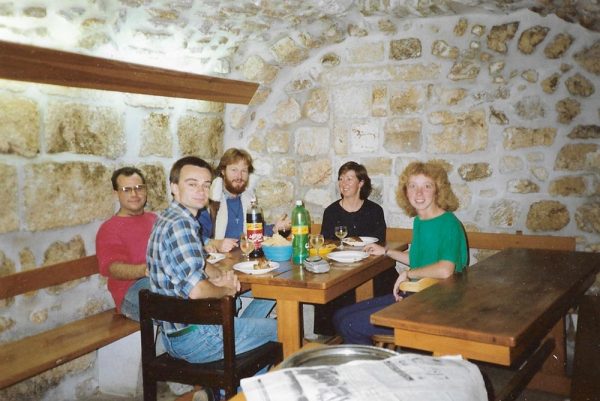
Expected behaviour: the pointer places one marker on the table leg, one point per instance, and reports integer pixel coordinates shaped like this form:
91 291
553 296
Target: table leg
364 291
289 326
552 377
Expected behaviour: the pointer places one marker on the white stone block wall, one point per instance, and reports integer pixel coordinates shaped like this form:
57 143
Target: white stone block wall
508 102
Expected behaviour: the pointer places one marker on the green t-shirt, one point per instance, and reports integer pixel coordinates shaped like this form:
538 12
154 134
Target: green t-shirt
440 238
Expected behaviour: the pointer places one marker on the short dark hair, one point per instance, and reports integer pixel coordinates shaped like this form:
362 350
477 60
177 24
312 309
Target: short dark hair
127 172
184 161
361 174
234 155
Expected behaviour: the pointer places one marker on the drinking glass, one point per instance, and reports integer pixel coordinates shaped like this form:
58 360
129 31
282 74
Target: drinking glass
341 232
246 246
316 241
285 232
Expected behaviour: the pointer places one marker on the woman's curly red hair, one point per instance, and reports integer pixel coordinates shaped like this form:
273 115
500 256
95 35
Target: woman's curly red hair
444 196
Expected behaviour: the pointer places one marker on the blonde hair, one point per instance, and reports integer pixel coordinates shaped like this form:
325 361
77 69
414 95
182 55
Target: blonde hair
444 196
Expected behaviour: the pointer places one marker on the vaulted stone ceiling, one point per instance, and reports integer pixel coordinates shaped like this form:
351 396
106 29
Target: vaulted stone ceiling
584 12
214 36
294 12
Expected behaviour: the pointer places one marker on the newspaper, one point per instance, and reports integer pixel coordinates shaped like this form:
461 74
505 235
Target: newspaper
406 377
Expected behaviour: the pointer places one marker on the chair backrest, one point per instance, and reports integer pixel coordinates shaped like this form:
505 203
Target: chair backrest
213 311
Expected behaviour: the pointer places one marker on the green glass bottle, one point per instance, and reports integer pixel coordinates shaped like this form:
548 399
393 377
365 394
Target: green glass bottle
300 231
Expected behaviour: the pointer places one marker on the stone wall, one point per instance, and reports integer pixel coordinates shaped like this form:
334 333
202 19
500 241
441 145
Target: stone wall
508 103
59 147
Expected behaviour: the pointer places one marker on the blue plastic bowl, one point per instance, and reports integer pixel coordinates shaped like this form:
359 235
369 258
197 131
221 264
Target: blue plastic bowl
277 253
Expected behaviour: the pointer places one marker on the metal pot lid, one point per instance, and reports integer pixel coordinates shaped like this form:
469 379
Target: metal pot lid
332 355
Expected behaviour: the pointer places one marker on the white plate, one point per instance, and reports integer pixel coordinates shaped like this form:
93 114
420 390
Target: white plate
215 257
347 256
363 241
248 267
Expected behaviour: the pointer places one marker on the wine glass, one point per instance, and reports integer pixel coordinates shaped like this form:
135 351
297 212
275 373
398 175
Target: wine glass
285 232
246 246
341 232
316 241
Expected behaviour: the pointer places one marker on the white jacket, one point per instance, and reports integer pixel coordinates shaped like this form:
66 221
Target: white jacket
217 193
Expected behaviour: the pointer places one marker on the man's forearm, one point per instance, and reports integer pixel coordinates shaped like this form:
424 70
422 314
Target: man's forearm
126 271
211 271
205 289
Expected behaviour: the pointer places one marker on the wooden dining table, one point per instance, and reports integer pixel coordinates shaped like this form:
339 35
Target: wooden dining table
499 311
291 285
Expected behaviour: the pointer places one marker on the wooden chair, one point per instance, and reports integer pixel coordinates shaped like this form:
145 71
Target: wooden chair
223 374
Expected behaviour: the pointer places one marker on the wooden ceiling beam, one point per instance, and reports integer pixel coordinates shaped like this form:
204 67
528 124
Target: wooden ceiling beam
36 64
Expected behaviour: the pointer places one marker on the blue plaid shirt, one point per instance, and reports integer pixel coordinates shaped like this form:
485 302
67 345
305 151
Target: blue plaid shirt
175 257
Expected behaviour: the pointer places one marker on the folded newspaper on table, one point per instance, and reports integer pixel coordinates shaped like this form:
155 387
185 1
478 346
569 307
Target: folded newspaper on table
403 377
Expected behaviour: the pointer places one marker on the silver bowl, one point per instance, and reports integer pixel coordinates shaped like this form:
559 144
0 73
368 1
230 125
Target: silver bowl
332 355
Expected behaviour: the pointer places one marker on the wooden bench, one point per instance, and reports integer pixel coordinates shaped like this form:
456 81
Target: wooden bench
30 356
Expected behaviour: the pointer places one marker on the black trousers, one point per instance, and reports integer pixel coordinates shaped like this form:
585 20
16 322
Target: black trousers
382 284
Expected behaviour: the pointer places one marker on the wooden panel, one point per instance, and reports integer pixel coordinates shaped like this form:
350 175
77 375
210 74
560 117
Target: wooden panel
552 377
523 373
502 241
419 285
364 291
47 276
399 235
33 355
35 64
441 345
498 241
586 375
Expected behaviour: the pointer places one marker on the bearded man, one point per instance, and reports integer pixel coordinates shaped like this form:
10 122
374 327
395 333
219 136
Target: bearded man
225 216
230 199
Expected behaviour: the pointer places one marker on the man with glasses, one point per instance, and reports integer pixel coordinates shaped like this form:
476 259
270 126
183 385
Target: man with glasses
122 240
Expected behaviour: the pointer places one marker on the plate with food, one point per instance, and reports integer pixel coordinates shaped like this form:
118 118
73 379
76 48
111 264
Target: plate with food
348 256
359 241
256 266
324 250
214 257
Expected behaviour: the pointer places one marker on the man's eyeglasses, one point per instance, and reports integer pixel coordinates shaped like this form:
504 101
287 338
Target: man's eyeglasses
137 188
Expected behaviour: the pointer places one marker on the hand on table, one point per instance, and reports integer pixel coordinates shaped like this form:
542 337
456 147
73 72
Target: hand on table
229 281
210 248
402 277
374 249
282 223
221 245
227 244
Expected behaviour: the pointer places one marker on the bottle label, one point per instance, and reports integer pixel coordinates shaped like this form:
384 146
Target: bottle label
299 230
254 231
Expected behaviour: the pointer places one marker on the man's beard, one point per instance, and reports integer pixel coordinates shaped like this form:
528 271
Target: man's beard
234 190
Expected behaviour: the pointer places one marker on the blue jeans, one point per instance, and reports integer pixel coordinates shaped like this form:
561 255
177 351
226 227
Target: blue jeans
257 308
205 344
353 322
130 307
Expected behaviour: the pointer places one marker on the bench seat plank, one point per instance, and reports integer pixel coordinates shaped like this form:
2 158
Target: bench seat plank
47 276
33 355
